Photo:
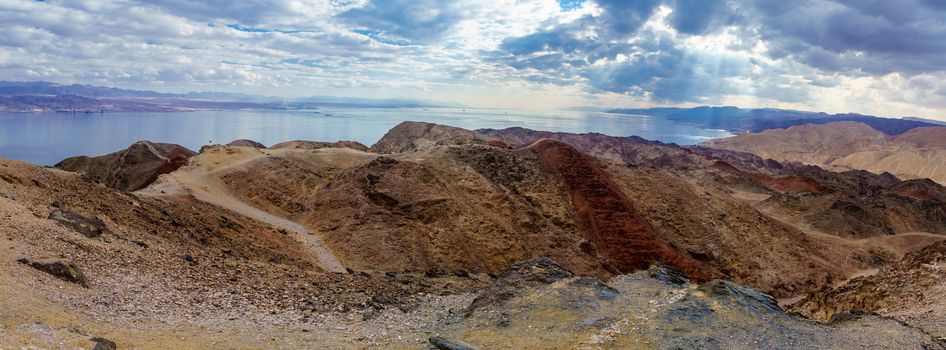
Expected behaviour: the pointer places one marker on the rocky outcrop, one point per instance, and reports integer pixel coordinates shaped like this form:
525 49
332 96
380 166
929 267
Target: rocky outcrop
61 269
909 290
518 278
313 145
246 143
89 227
133 168
643 309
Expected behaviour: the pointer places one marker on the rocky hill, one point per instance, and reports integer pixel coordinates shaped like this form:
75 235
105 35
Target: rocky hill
133 168
413 136
910 290
842 146
538 304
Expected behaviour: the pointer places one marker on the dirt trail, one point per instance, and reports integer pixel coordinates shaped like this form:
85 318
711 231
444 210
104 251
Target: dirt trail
201 179
153 150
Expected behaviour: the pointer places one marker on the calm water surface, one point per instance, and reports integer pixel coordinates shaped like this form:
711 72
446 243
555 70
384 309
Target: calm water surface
47 138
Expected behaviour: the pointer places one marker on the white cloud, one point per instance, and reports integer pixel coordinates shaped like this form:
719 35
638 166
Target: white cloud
489 53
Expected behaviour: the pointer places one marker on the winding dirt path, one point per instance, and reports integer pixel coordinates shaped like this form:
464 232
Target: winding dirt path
201 179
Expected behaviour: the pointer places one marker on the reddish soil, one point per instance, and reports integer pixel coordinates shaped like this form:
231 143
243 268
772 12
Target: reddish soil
178 158
785 184
609 218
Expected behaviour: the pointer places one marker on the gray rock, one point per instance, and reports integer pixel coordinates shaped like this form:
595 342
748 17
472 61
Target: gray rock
741 295
668 274
449 344
520 277
104 344
370 314
89 227
61 269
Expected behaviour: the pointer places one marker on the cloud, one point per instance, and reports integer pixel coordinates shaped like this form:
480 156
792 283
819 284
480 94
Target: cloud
863 55
701 51
873 36
700 16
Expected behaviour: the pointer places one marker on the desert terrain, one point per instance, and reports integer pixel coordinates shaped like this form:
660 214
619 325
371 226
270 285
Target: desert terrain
438 236
842 146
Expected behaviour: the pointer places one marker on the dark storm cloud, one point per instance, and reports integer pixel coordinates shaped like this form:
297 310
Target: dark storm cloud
859 37
873 36
700 16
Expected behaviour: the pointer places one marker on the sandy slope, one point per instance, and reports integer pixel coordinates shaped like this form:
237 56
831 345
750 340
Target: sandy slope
201 180
841 146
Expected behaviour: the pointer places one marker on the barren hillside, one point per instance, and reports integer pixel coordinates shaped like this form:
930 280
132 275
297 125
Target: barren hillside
409 232
842 146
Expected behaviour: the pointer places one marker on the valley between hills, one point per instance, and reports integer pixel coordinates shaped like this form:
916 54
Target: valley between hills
816 236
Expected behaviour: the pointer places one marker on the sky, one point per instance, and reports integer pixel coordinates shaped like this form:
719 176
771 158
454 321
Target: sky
877 57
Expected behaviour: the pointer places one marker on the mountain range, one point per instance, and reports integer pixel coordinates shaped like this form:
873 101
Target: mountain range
755 120
841 146
39 96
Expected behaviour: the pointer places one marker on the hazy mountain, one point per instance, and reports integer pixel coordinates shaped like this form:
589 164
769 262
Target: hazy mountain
742 119
40 96
918 119
842 146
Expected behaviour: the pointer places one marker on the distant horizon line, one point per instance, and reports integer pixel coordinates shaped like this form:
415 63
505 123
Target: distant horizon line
422 103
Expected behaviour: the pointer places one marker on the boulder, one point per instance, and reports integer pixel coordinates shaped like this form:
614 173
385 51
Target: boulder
103 344
61 269
89 227
449 344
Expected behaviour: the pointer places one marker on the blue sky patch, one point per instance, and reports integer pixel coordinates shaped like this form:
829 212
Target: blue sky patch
378 36
568 5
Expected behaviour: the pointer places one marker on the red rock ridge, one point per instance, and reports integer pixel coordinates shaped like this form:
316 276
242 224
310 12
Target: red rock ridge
787 184
610 219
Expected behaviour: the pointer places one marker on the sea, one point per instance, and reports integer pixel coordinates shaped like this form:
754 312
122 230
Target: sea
47 138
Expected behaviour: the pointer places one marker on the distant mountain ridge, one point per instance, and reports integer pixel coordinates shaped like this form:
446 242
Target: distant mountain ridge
41 96
737 119
848 145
